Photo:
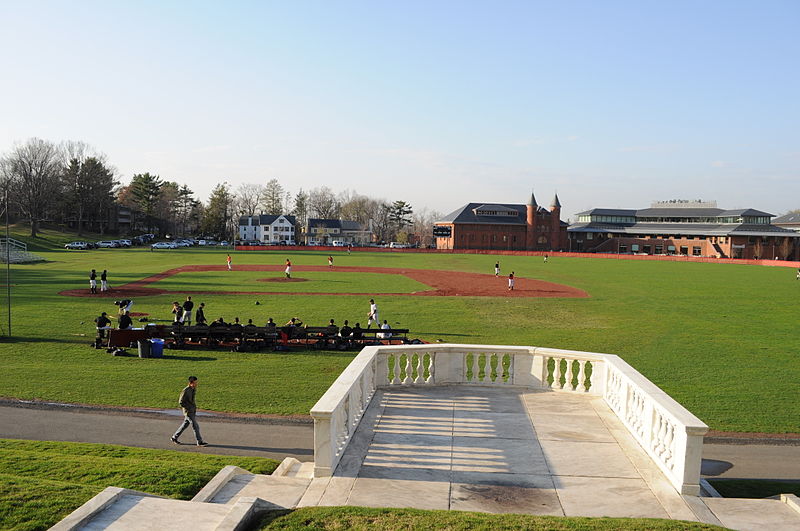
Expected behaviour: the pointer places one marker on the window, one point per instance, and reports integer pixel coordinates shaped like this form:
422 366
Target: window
623 248
659 249
646 249
589 235
684 250
696 251
635 248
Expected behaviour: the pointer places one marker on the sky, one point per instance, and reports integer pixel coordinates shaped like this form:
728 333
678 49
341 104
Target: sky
610 104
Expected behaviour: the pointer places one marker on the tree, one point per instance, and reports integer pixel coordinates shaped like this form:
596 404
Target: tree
322 203
248 197
400 214
145 189
300 212
33 170
187 210
382 226
422 226
272 198
87 190
357 208
218 212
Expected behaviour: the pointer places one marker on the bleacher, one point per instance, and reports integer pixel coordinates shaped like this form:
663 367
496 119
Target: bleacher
16 252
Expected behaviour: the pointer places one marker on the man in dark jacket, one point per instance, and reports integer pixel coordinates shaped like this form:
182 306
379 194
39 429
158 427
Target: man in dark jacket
200 314
189 408
188 305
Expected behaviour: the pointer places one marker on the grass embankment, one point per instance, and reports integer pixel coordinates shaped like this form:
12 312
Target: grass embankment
42 482
721 339
360 518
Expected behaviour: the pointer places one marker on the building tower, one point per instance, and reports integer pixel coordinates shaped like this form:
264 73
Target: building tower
555 220
530 229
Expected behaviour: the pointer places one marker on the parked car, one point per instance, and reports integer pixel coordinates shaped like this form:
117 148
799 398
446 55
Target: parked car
398 245
77 245
107 244
223 243
164 245
337 243
125 243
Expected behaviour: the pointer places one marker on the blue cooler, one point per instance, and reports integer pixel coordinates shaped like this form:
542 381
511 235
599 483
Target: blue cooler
157 348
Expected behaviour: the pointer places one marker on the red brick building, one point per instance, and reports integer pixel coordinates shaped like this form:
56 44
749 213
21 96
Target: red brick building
503 227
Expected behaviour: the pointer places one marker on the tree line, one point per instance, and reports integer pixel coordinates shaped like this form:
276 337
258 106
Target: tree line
73 185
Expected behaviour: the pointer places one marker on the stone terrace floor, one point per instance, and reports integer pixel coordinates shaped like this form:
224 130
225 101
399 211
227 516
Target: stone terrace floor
499 450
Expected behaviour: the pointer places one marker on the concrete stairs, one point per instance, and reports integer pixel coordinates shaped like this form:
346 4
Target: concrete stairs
231 501
781 513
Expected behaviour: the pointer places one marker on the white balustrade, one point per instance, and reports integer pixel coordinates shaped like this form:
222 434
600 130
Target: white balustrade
670 434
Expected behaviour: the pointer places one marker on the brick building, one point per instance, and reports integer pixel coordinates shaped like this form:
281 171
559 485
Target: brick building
503 227
683 227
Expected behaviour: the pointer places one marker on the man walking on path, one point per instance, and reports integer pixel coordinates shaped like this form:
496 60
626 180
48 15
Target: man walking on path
229 260
511 282
104 280
189 408
497 269
93 282
187 311
372 316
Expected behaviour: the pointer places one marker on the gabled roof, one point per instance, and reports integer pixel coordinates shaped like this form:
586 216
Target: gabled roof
267 219
608 212
325 223
466 214
352 225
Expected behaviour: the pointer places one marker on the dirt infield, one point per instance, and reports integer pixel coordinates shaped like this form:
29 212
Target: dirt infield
442 283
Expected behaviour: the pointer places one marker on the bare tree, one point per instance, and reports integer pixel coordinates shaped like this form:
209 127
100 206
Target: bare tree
33 171
248 197
322 203
422 226
272 198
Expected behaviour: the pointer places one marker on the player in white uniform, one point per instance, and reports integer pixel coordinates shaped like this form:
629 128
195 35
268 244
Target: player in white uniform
372 316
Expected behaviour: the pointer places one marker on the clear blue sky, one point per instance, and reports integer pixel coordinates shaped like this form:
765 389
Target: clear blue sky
612 104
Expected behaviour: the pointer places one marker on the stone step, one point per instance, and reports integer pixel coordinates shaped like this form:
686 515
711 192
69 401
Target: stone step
756 515
124 509
282 491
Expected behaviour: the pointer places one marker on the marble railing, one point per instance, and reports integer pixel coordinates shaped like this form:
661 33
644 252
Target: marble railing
670 434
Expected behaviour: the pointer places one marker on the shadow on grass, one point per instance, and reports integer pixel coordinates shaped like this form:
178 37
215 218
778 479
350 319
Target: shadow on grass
188 358
88 339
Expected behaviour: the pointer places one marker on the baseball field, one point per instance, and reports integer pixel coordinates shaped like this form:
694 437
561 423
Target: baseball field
721 339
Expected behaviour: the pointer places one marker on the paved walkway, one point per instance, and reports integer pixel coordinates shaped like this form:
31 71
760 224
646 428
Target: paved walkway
499 450
152 429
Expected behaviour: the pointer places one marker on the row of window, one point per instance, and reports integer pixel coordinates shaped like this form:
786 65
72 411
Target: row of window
755 220
659 249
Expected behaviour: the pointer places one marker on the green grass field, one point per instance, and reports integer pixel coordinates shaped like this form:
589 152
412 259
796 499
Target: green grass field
42 482
361 518
721 339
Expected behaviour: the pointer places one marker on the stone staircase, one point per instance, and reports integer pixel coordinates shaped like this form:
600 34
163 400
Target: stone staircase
231 501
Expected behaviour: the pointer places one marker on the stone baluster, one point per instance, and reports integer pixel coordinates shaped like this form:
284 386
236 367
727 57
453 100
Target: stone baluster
494 371
556 374
568 376
582 377
431 369
669 440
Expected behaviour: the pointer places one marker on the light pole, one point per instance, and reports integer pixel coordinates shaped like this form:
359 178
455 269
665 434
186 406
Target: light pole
8 262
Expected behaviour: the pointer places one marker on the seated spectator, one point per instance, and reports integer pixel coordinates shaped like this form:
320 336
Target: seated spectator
358 332
103 323
384 335
236 324
332 328
250 326
294 322
270 324
345 331
125 322
219 322
177 312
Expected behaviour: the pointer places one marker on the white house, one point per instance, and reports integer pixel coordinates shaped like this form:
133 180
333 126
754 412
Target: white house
267 228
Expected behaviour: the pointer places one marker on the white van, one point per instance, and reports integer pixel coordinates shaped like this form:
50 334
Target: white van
398 245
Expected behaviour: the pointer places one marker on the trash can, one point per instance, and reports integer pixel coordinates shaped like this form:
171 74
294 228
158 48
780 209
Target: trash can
144 348
156 348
